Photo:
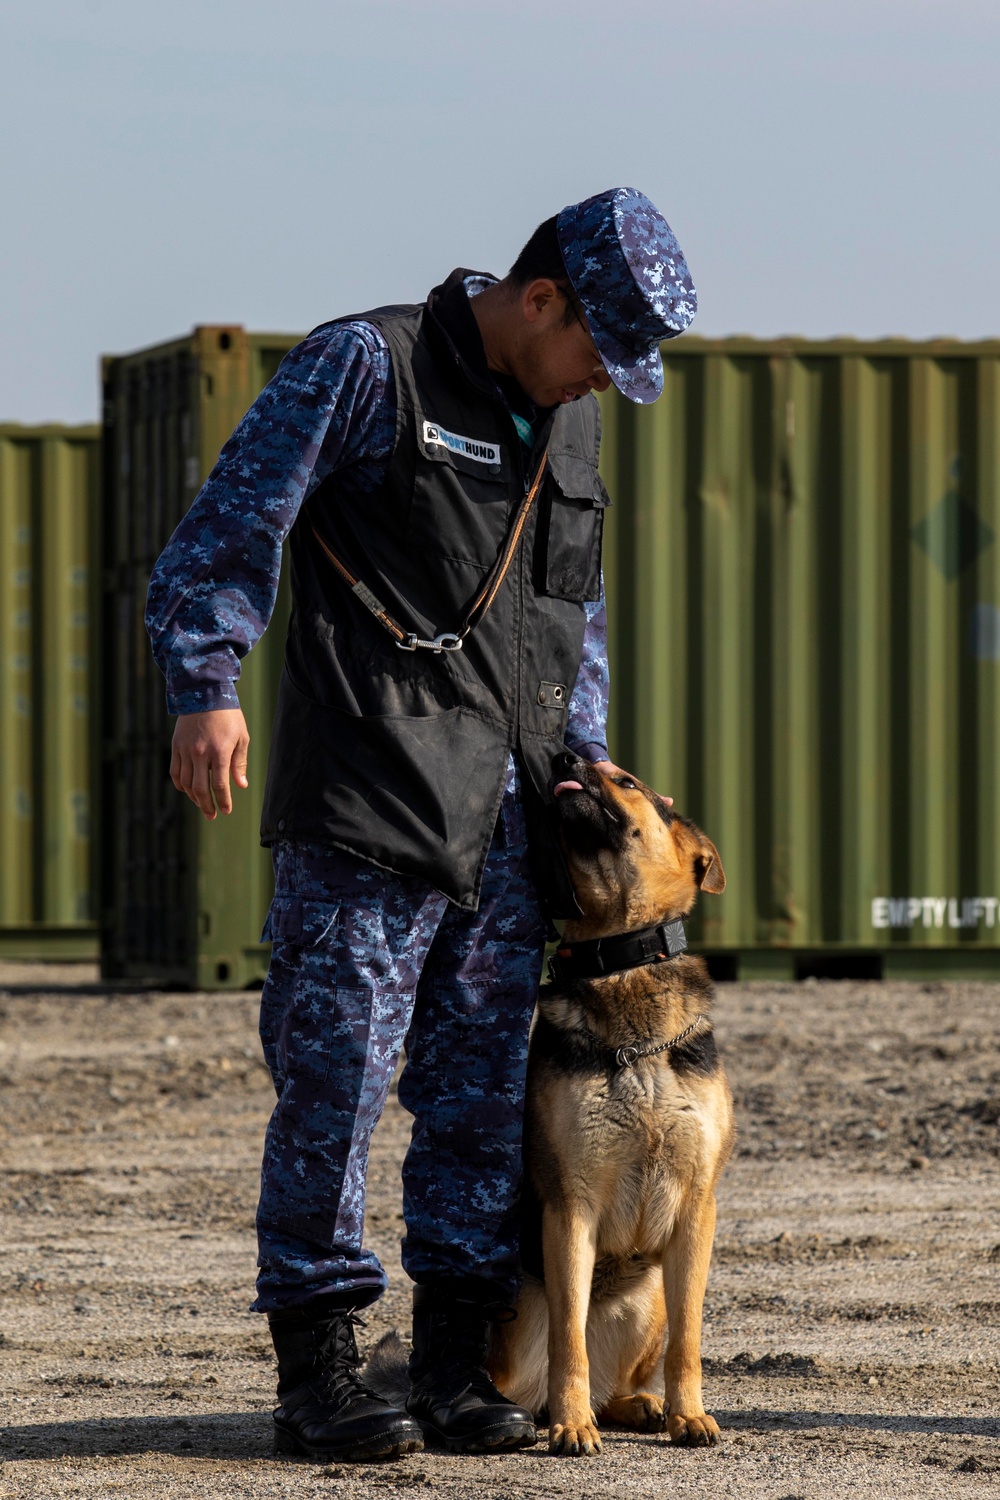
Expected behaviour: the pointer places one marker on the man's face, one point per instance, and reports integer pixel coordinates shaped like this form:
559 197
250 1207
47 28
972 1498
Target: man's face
554 359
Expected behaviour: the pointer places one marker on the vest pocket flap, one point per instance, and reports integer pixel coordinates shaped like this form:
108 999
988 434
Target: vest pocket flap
577 501
300 923
578 478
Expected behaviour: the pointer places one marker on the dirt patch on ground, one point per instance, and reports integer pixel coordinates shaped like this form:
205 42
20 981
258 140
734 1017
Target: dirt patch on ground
851 1336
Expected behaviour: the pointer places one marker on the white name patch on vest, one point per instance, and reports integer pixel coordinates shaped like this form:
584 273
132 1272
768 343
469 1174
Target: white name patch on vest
483 453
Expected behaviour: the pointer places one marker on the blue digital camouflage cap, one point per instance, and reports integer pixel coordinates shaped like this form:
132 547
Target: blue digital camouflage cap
630 274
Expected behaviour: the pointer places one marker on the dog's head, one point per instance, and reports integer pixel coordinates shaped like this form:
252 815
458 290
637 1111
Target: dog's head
633 860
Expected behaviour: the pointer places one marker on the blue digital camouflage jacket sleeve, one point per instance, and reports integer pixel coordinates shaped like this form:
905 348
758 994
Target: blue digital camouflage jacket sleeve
330 408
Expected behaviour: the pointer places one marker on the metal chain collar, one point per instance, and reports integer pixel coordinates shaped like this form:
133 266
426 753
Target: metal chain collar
627 1057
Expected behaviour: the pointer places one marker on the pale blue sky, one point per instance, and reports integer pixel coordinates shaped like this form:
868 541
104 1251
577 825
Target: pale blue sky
828 168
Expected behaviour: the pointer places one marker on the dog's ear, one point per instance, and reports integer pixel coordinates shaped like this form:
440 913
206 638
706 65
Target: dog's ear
708 871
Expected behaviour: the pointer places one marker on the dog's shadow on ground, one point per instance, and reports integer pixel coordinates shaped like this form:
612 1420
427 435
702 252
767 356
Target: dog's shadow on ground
768 1420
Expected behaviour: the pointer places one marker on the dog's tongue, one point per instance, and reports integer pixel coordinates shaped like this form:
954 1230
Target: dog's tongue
566 786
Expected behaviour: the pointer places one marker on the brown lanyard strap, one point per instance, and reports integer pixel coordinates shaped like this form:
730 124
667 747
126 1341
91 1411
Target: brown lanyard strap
447 640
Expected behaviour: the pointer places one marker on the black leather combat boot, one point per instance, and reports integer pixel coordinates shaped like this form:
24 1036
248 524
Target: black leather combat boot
325 1409
451 1395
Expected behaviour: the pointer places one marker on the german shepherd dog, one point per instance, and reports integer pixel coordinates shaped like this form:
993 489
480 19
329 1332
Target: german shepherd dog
628 1125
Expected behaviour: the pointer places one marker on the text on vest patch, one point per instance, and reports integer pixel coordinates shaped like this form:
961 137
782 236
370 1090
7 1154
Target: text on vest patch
484 453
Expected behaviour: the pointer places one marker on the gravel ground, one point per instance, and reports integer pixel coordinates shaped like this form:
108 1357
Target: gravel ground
851 1337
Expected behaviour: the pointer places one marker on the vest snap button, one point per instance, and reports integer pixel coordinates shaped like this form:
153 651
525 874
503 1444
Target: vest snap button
281 825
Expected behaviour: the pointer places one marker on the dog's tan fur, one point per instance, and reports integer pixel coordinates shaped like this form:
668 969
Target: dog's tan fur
624 1162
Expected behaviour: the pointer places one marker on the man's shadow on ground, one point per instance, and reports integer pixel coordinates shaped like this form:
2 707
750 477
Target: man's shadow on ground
231 1435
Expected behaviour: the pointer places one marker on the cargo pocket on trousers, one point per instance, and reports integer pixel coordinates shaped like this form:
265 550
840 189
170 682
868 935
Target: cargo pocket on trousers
296 1007
300 924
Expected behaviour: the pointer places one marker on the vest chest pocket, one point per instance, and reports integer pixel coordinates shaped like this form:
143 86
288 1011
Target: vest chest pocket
575 503
461 495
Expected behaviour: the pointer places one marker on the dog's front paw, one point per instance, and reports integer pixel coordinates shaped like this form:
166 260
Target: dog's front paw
693 1431
574 1439
649 1413
642 1412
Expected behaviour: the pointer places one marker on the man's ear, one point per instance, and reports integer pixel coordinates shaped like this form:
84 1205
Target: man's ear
537 297
708 871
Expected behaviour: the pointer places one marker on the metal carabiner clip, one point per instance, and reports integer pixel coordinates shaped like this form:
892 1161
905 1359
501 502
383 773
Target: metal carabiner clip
446 641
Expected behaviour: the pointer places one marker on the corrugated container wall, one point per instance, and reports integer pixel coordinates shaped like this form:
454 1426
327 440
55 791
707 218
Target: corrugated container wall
182 901
48 497
803 580
803 572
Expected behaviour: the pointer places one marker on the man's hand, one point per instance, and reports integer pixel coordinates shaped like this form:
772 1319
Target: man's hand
207 748
610 769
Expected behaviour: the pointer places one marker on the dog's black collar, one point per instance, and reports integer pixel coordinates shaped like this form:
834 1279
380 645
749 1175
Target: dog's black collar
609 955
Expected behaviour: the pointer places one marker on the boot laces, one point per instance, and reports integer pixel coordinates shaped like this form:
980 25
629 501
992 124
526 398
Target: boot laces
340 1362
463 1348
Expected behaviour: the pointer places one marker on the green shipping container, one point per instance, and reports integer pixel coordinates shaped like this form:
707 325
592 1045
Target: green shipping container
182 901
803 573
48 500
803 581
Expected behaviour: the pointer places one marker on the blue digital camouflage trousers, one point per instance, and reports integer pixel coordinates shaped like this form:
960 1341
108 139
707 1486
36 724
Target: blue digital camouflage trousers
364 962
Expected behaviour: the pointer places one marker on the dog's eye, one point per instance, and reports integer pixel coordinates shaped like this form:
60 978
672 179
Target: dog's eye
625 781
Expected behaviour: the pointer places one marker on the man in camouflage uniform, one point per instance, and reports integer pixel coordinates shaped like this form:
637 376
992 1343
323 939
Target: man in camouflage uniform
406 789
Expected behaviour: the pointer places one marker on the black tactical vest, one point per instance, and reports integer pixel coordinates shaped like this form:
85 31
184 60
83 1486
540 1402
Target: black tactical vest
401 756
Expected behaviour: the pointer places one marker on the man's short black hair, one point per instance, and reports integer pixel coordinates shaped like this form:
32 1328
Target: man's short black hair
541 257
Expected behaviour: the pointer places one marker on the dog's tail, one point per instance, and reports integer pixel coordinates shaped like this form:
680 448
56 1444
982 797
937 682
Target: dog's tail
386 1369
